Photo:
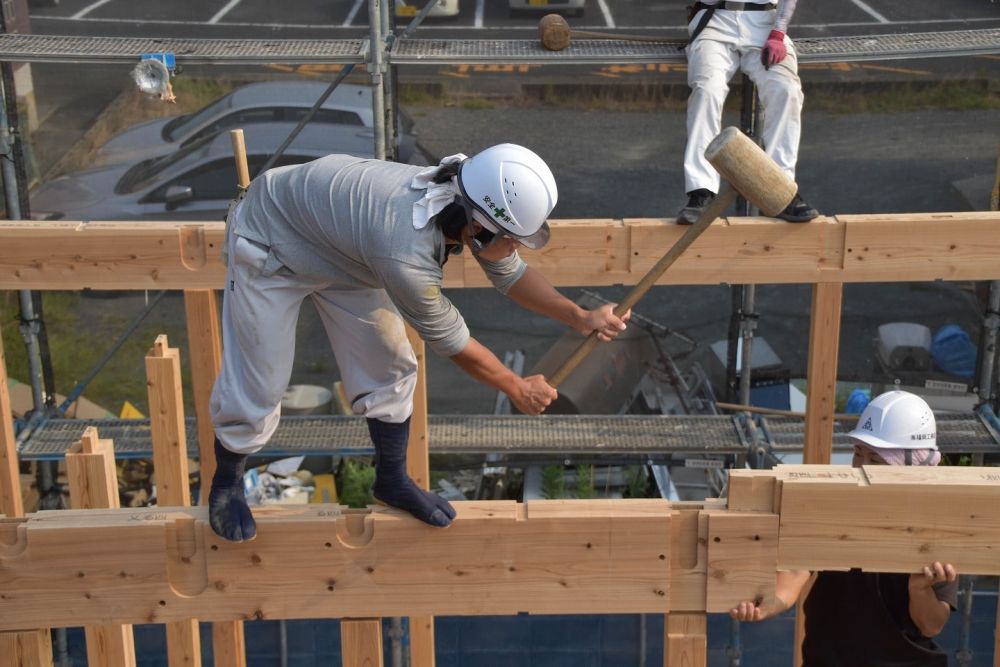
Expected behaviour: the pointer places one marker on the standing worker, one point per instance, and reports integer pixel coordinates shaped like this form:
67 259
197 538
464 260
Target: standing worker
725 37
366 240
871 619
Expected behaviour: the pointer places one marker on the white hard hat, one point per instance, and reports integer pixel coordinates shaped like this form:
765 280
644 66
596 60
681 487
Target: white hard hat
897 420
512 192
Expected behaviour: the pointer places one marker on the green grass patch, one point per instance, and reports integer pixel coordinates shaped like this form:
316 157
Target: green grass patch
81 330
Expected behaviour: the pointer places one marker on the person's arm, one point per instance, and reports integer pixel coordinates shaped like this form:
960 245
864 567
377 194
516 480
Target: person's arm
788 585
533 292
531 395
929 613
783 14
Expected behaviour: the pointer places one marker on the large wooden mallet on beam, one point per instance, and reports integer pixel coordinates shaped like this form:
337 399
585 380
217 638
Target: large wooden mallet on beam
745 170
555 34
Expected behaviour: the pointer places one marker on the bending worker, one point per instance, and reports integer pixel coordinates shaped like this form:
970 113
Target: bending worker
871 619
725 37
366 241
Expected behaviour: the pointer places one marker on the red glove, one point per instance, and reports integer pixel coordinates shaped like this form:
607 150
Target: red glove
774 50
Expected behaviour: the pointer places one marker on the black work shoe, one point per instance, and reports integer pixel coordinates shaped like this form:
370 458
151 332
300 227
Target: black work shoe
798 210
228 511
697 201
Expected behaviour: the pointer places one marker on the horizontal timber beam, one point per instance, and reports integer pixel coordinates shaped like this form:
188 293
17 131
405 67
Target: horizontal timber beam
158 565
67 255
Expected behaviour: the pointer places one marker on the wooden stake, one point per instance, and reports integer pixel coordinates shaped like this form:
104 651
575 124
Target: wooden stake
824 342
361 642
11 503
685 642
170 465
93 484
27 648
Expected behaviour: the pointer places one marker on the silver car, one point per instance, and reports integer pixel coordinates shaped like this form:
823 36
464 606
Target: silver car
194 183
267 101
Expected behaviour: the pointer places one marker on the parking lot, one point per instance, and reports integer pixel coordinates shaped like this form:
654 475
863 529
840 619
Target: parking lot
338 18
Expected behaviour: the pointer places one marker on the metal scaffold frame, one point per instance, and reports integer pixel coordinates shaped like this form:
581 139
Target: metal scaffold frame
756 512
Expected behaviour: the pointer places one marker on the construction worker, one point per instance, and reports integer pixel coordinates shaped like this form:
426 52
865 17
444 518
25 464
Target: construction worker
366 241
871 619
750 36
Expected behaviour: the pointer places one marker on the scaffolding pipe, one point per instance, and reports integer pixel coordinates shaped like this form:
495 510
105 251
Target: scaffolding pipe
376 68
988 345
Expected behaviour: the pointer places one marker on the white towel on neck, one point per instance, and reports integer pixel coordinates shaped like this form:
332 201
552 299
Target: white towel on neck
437 195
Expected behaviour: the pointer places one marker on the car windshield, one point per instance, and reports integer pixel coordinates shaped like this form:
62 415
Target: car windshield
181 126
143 173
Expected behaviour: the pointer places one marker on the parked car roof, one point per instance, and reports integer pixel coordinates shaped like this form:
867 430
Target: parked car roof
154 189
266 101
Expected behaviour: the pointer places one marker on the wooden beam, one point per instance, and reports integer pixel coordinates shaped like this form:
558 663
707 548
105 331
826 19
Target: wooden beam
821 374
361 642
170 466
889 518
30 648
419 468
11 503
499 557
849 248
93 484
164 564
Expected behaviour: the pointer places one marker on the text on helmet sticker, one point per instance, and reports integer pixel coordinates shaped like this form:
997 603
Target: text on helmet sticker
499 213
868 425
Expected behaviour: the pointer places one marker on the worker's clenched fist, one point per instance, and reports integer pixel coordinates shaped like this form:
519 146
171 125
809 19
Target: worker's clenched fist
534 395
604 322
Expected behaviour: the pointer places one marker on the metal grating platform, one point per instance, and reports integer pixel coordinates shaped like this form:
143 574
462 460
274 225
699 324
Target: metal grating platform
58 48
825 49
957 432
593 435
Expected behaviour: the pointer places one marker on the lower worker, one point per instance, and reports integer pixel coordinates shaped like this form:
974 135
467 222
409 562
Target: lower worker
872 619
366 241
725 37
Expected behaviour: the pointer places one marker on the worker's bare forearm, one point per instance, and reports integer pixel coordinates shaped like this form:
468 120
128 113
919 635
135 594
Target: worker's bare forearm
534 292
929 613
479 362
788 587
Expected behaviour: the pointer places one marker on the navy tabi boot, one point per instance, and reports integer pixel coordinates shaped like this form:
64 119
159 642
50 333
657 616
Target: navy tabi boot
228 511
393 486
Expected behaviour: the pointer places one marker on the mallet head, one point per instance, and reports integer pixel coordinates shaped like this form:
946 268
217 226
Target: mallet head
554 32
750 171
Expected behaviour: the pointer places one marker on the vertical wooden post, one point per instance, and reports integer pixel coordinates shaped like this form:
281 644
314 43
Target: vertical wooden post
824 342
361 642
93 484
419 467
170 465
30 648
821 399
205 352
685 640
26 648
11 503
205 356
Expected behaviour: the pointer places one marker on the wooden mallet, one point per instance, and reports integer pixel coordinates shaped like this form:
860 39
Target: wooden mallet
744 169
555 34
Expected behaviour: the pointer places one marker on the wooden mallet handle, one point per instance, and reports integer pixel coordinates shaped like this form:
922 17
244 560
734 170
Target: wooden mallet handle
744 168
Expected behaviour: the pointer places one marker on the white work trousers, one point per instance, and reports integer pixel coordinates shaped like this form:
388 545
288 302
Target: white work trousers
732 41
259 316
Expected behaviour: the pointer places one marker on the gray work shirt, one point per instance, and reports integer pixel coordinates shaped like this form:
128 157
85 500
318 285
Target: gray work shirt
348 222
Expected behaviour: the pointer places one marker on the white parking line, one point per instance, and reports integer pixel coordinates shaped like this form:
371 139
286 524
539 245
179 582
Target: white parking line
609 20
871 12
89 8
351 14
480 8
222 12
